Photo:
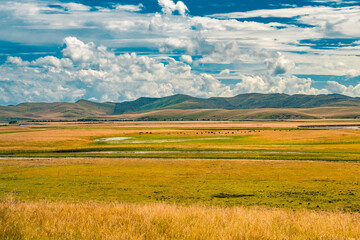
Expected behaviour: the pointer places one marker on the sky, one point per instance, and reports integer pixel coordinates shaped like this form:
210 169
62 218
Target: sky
120 50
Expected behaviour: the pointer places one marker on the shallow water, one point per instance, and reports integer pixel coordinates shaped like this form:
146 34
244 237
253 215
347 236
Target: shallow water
344 127
116 139
113 139
156 152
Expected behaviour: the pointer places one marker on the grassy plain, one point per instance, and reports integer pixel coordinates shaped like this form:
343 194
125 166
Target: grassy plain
289 184
164 174
224 140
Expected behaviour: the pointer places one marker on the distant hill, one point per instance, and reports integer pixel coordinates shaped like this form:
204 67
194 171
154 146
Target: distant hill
183 107
242 101
82 109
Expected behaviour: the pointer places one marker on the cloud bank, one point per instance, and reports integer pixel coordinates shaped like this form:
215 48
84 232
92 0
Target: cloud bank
179 53
96 73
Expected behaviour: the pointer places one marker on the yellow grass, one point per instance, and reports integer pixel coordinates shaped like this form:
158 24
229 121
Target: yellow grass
41 220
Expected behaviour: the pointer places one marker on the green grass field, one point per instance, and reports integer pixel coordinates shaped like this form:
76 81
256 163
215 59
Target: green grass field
182 142
289 184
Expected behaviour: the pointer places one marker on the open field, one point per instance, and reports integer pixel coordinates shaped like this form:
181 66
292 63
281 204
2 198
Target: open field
286 184
223 140
248 179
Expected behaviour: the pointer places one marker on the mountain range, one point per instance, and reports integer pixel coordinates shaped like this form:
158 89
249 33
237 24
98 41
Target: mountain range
184 107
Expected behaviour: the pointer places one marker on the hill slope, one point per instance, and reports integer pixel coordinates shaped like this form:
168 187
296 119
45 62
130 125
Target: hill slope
242 101
183 107
58 111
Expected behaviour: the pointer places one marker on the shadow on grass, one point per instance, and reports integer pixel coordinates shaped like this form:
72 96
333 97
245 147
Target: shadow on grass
228 195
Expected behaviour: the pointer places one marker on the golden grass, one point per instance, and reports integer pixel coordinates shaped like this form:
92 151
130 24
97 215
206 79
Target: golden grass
42 220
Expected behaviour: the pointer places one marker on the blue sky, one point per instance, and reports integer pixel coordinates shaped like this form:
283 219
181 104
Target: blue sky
61 50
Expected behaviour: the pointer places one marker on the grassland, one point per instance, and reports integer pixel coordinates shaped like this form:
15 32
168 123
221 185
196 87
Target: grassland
258 140
43 220
286 184
230 180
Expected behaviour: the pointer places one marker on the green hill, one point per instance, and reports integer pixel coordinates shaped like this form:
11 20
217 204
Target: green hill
242 101
183 107
56 111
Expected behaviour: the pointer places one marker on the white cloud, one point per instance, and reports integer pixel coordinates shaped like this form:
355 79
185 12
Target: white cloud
77 50
329 21
280 65
75 7
322 64
280 12
168 7
276 84
171 44
130 8
336 87
16 61
351 73
186 58
327 1
93 72
225 72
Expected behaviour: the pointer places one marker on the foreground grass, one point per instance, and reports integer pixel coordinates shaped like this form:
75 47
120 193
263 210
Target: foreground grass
42 220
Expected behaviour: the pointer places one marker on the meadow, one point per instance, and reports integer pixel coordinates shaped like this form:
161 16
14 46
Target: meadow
247 180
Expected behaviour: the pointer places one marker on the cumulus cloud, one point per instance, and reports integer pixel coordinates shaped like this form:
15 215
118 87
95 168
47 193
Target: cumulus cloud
168 7
177 44
94 72
16 61
280 65
276 84
90 71
186 58
130 8
351 90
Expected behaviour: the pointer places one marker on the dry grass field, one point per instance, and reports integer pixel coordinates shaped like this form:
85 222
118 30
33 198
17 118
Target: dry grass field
180 180
88 220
